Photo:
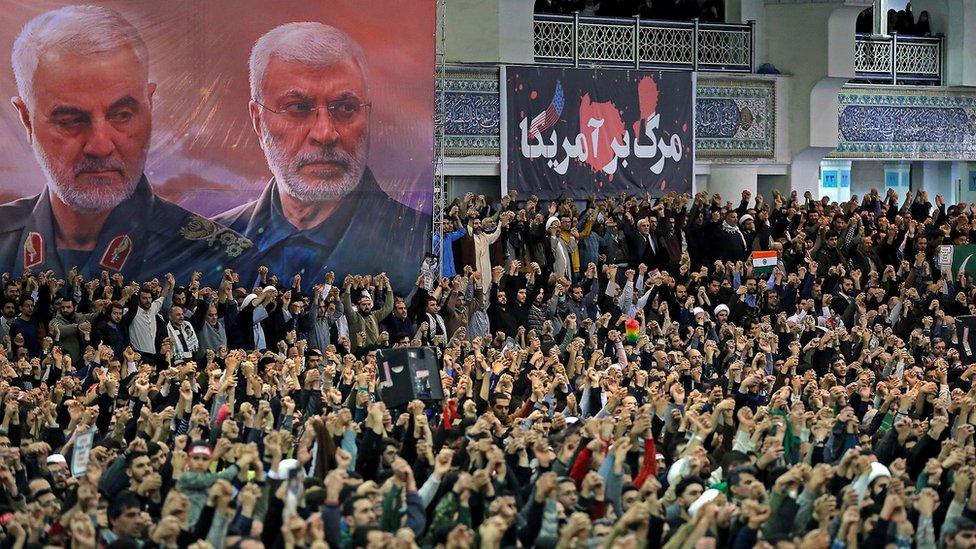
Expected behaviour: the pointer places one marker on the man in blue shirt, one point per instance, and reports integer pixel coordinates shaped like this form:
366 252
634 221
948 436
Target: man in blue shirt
28 325
449 235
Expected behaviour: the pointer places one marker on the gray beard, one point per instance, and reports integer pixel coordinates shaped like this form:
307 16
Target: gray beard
94 199
285 171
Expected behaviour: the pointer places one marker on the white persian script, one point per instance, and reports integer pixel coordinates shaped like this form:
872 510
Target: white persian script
582 146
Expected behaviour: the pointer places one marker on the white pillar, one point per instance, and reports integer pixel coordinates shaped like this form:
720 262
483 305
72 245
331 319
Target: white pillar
516 31
820 66
959 173
805 172
729 180
867 175
489 31
937 179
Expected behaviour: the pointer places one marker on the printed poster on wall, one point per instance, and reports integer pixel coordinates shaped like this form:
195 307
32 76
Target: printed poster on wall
571 132
149 137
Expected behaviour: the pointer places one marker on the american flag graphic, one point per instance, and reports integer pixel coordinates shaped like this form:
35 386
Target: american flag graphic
548 118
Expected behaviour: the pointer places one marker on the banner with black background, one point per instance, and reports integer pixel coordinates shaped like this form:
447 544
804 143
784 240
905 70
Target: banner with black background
571 132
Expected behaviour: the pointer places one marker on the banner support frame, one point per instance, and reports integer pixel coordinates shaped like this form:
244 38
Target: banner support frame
637 41
440 119
503 127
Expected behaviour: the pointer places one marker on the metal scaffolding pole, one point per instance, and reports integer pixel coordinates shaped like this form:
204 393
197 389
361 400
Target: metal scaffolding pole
439 128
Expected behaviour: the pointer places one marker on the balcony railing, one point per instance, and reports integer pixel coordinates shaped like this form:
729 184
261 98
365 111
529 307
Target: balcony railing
898 59
620 42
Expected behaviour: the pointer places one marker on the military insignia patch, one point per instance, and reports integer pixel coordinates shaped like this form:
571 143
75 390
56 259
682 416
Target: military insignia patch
199 228
116 253
33 250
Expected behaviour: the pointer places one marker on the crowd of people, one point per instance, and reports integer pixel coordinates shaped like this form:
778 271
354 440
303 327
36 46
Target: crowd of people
712 11
616 373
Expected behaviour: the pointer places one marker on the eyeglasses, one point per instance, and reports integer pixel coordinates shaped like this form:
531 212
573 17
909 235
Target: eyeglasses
341 111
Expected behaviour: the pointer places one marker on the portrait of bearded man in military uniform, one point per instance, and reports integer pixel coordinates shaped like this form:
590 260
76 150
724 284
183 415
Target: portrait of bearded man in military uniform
85 102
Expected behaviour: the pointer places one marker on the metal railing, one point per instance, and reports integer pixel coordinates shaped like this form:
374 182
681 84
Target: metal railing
898 59
620 42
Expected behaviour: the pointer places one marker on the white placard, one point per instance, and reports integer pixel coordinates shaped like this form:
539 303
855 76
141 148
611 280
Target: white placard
81 452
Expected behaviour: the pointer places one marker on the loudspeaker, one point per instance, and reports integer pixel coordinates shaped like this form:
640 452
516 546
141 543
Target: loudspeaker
408 373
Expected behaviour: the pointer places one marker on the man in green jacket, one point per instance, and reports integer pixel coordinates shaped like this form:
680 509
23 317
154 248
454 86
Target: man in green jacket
196 481
364 322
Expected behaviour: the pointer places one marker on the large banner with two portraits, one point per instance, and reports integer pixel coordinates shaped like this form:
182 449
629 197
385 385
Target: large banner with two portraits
149 137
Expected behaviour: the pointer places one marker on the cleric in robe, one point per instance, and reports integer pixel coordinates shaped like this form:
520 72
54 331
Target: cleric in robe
322 210
85 101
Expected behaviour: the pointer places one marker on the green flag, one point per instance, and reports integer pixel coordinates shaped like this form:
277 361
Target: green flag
957 259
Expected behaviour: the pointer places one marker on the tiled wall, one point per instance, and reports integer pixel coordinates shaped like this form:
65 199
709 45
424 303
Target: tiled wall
735 118
904 123
472 104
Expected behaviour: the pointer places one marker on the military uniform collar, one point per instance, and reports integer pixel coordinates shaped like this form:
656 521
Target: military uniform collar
120 231
268 225
40 227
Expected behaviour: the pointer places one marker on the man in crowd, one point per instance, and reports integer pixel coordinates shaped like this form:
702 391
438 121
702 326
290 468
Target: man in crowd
212 317
143 318
72 329
327 315
399 324
364 322
182 336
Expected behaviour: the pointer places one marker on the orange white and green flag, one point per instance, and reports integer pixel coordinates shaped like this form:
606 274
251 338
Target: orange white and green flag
763 262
